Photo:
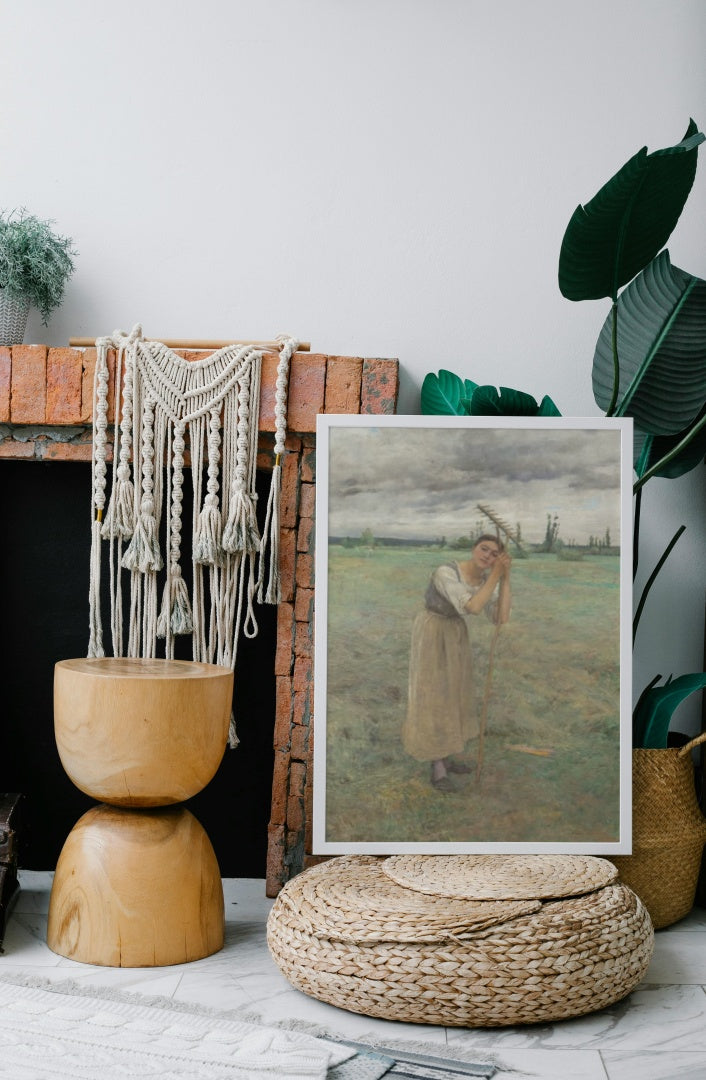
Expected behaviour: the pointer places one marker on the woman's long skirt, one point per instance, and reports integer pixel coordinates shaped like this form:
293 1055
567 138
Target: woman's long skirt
441 716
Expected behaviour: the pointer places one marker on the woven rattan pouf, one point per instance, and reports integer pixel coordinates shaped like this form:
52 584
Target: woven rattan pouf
467 941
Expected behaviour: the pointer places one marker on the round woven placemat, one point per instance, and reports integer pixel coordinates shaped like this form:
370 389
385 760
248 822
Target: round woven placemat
360 903
500 877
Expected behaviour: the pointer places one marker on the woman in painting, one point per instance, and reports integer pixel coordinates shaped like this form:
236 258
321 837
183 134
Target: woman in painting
440 717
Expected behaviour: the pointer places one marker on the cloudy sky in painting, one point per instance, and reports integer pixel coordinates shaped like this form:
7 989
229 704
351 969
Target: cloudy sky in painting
418 482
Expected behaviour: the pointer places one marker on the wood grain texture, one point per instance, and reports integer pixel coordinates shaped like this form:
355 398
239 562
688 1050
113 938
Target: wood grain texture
141 732
136 888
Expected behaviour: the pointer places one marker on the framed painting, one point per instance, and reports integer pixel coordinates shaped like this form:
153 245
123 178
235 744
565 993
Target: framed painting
472 676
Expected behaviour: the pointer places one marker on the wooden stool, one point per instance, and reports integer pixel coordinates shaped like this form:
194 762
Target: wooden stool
137 886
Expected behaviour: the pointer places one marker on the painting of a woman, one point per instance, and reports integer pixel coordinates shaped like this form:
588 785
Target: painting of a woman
441 718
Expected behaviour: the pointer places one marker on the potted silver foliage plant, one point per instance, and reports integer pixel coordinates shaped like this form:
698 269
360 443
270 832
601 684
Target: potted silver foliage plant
35 264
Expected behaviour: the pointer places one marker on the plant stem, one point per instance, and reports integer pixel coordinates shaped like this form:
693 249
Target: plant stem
651 579
616 365
691 433
636 533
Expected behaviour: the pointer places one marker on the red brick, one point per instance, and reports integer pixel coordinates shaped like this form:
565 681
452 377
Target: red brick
343 381
306 391
306 534
307 500
305 571
53 451
5 373
284 653
297 779
295 818
307 382
275 860
88 372
303 642
292 443
304 605
28 384
283 712
296 814
289 500
265 452
267 391
308 810
280 788
11 448
287 562
64 378
88 375
300 740
308 464
380 385
301 712
302 674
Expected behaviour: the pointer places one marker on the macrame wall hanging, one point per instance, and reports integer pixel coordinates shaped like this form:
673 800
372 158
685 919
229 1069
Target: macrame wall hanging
214 404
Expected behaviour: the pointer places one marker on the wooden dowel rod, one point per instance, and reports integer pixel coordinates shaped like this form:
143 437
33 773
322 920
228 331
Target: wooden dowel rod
173 343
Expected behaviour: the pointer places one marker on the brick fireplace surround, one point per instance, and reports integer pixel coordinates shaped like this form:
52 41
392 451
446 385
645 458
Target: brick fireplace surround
45 415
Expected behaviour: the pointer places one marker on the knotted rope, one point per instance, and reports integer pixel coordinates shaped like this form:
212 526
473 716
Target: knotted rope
164 404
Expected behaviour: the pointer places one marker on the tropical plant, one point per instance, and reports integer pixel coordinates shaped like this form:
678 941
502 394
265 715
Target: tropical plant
447 394
650 358
35 263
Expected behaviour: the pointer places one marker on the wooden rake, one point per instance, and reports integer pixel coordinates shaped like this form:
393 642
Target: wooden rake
486 698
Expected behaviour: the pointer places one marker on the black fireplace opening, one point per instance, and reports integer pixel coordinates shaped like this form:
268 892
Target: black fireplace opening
44 561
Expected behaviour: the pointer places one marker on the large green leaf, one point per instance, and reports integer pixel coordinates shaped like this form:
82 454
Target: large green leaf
489 401
654 710
649 450
610 239
446 394
661 342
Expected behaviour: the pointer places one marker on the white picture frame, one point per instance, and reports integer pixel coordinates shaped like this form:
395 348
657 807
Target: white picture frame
399 496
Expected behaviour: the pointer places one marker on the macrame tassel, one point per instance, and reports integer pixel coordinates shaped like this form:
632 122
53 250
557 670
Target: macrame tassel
208 540
208 548
233 739
273 592
175 614
99 470
241 532
95 639
120 517
143 552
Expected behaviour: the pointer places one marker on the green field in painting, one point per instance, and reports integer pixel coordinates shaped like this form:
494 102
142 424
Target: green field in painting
555 686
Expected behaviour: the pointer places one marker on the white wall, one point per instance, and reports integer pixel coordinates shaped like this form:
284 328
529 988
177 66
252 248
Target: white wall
382 177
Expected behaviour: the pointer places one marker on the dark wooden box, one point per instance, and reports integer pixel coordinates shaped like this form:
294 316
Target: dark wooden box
10 833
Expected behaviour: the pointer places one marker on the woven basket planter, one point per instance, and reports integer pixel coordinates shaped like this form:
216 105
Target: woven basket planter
13 318
668 831
349 934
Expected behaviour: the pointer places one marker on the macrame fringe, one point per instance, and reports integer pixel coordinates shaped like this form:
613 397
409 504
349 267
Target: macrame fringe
208 542
175 615
120 517
95 640
142 553
273 593
161 401
241 532
233 740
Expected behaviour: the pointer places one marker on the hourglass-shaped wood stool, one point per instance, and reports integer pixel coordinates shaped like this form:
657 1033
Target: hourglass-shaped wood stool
137 883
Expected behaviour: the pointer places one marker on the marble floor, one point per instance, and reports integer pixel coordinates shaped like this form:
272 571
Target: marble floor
658 1033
